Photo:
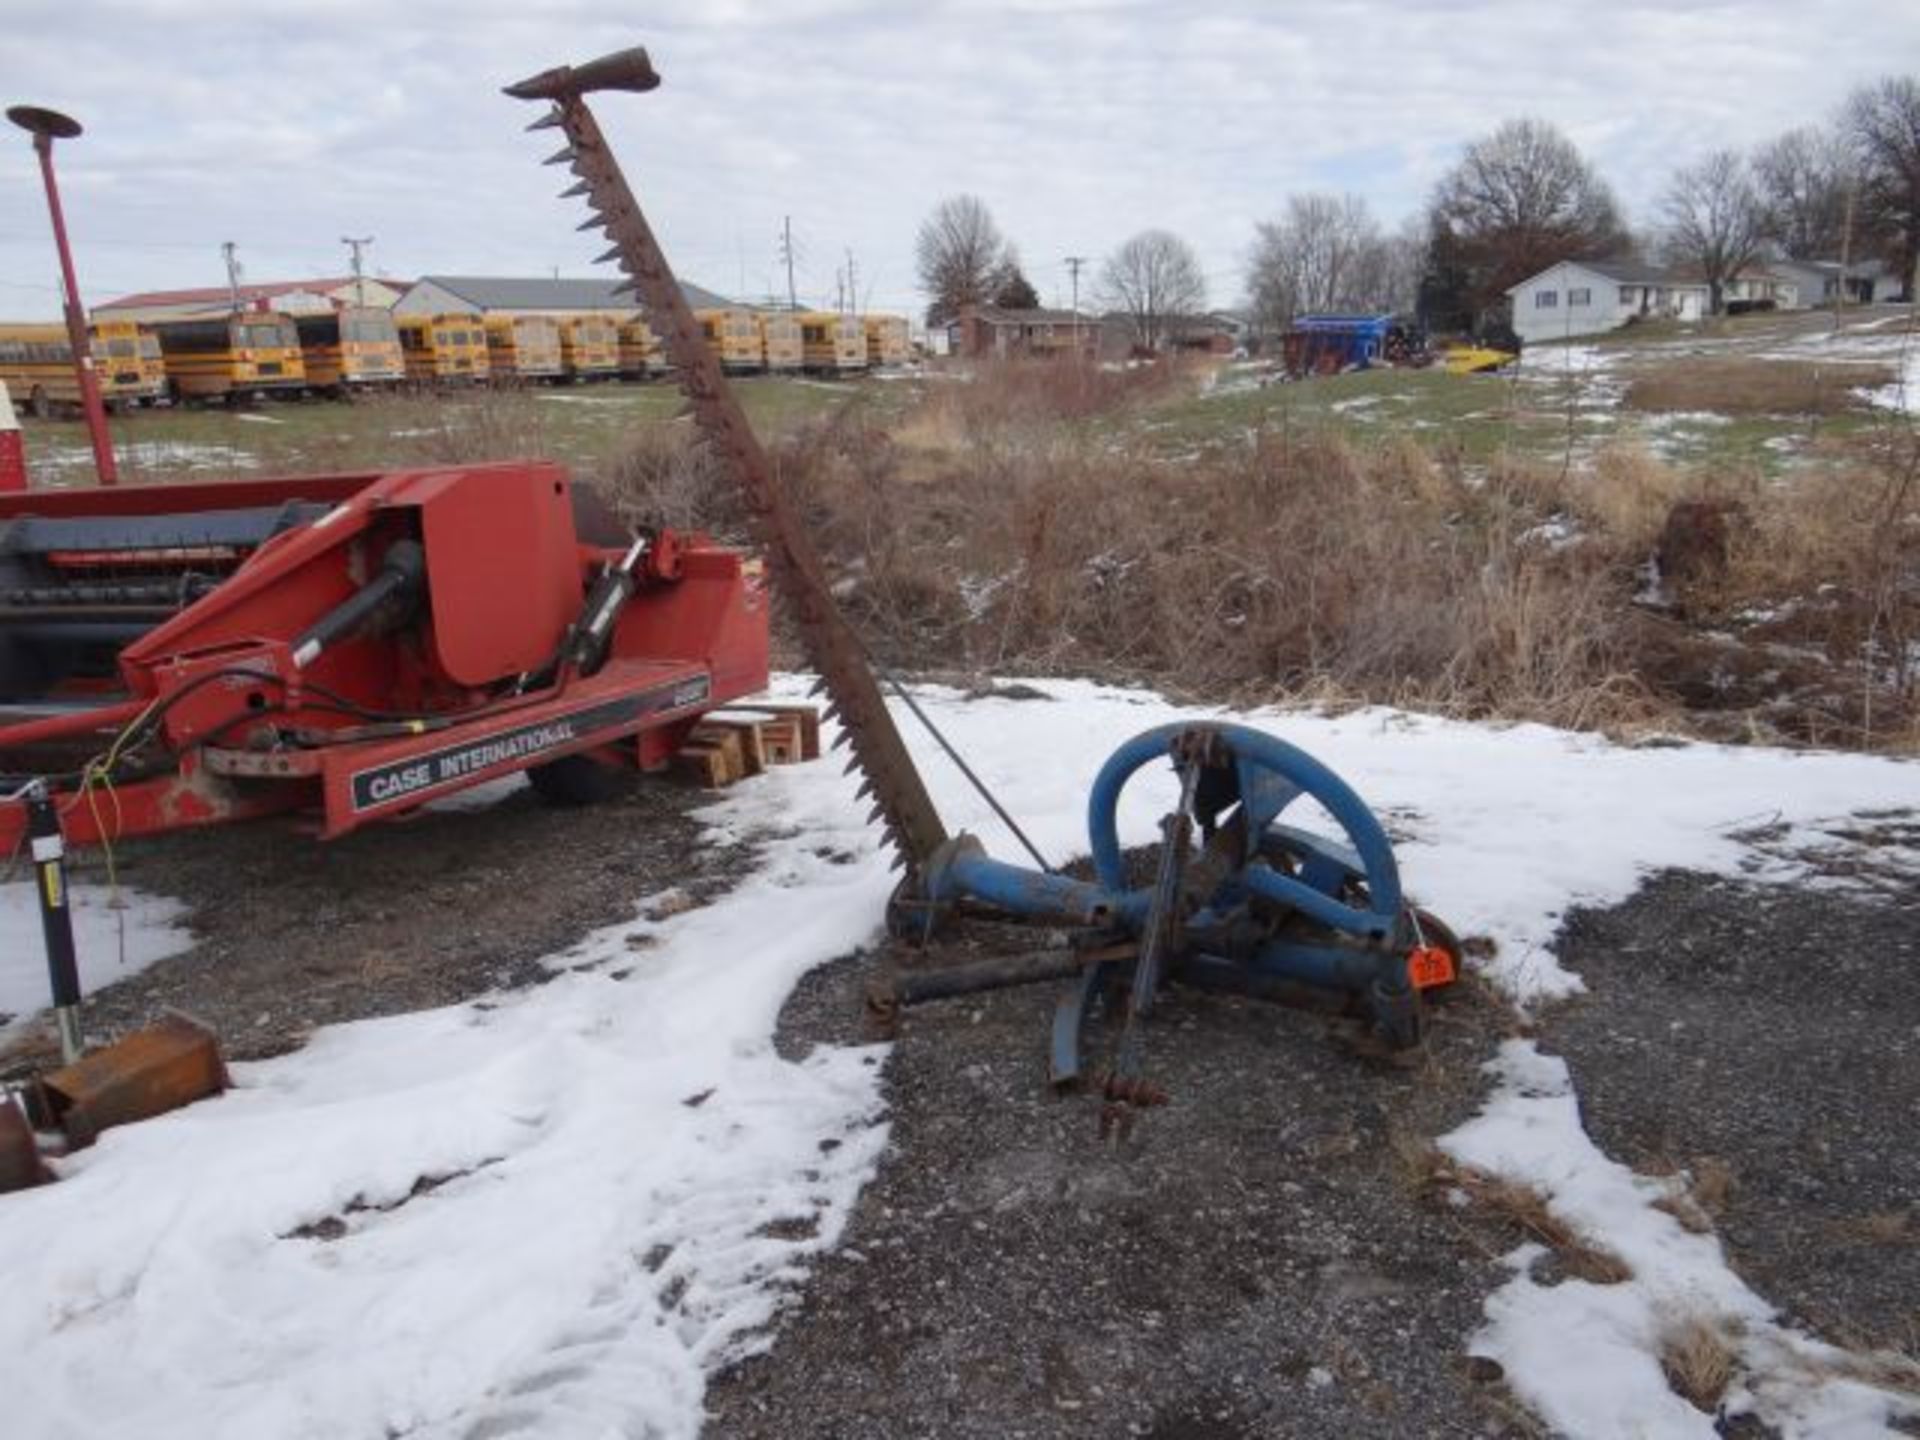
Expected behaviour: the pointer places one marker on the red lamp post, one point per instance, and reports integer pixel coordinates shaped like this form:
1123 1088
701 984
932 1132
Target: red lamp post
46 126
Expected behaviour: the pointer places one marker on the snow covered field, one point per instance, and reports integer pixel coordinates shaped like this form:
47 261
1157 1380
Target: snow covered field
555 1212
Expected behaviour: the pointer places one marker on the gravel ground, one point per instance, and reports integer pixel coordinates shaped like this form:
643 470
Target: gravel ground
1256 1260
1767 1039
292 933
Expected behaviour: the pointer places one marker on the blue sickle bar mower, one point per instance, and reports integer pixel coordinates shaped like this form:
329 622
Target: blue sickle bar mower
1237 900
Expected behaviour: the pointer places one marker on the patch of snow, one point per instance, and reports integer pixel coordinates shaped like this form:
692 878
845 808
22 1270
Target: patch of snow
1356 404
1679 419
1550 361
115 935
977 591
146 455
560 397
1902 394
254 417
1585 1356
1556 532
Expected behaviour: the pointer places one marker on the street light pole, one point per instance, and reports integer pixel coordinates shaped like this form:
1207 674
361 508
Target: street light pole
46 126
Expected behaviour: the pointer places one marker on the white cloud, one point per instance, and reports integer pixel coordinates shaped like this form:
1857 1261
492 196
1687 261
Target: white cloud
1078 121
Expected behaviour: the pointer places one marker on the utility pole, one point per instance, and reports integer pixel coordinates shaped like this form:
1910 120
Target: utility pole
853 287
233 274
47 126
1846 251
786 254
1074 262
359 283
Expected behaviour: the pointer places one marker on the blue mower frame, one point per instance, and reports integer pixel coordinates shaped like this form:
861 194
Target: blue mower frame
1258 906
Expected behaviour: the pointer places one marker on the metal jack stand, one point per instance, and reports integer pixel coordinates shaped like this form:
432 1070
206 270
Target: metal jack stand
56 916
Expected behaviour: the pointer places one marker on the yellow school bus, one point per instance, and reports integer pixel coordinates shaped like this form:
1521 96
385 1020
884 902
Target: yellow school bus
523 347
231 357
780 346
640 353
36 362
832 343
887 342
589 347
127 361
353 349
734 337
443 349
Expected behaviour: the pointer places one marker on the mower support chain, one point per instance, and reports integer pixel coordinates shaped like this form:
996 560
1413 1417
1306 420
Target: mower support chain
900 800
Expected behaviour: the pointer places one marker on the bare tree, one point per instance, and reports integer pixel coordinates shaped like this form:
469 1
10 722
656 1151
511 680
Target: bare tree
1519 200
1715 220
1325 254
961 254
1155 279
1404 262
1802 177
1882 122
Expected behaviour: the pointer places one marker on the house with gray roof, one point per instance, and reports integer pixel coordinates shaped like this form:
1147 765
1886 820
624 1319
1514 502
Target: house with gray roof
1817 282
1590 297
514 295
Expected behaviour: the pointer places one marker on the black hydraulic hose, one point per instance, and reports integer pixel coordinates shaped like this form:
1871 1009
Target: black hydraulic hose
399 580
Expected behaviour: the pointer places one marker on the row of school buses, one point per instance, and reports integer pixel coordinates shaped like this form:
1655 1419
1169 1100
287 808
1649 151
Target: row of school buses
234 357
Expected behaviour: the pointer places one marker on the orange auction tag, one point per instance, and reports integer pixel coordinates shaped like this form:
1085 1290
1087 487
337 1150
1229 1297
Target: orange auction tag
1428 966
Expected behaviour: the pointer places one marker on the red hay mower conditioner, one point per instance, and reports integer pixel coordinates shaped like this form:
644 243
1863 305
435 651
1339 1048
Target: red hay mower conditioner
352 645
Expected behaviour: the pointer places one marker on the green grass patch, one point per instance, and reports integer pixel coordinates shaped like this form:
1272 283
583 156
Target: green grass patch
582 426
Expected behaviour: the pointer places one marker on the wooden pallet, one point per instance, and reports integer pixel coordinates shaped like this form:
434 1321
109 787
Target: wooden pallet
731 744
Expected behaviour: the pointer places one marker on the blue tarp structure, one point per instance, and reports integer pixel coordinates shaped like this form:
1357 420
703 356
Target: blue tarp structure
1316 344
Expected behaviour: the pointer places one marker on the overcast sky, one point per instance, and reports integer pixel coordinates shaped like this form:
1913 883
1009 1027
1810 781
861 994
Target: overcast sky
283 126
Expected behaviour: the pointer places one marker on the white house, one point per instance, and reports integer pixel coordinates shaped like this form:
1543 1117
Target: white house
1817 282
1761 285
1588 297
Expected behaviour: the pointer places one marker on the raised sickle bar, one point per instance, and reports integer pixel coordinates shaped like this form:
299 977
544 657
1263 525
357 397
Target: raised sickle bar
900 797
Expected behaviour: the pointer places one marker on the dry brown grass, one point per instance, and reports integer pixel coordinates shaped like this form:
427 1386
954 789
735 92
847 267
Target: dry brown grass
985 398
1626 493
998 530
1377 575
1702 1201
1006 525
1520 1211
1734 386
1698 1357
1881 1229
662 476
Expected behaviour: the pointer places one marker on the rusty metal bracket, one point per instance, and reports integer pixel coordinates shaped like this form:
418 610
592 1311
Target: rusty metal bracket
20 1162
163 1067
